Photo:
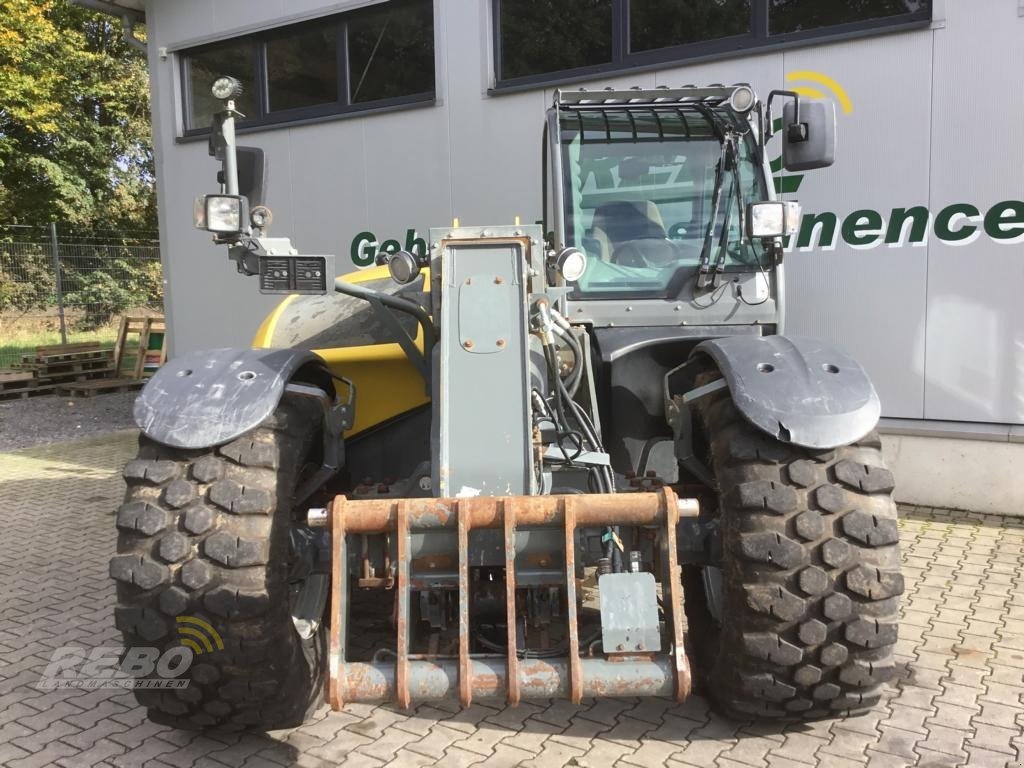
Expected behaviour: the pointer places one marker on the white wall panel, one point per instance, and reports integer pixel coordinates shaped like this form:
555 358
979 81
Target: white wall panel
211 304
975 334
167 23
764 72
495 141
327 175
246 15
870 302
237 13
408 173
936 326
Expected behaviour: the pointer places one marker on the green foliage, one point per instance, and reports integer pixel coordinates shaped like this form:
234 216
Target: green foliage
101 281
75 141
146 281
26 279
101 295
111 286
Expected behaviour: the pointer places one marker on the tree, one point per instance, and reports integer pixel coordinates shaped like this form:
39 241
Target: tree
75 142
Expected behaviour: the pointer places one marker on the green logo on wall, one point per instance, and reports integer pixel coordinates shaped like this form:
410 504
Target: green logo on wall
365 248
956 224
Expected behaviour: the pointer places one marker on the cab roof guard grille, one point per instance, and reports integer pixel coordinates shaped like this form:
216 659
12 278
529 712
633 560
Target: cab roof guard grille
687 96
607 124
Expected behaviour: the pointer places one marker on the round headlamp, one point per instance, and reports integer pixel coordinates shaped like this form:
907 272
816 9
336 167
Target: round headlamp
404 267
260 216
742 99
226 88
571 263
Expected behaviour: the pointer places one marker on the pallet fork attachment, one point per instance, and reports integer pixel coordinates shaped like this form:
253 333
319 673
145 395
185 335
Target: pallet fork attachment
417 678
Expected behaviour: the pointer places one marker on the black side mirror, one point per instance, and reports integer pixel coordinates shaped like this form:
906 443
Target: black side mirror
252 164
216 142
809 140
252 175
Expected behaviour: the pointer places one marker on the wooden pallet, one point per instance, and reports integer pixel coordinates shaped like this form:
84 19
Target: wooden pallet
14 384
14 379
76 366
144 360
83 369
70 358
66 349
70 376
24 392
99 387
103 356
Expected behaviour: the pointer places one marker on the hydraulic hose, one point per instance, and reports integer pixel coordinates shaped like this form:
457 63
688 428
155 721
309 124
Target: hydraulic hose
564 330
394 302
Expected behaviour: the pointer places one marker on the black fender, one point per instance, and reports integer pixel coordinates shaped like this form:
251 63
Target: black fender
209 398
799 390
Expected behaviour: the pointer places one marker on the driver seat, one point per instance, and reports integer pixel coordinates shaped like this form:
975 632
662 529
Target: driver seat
621 221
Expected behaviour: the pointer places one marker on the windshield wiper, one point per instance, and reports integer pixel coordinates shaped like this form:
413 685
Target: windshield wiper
732 163
709 235
728 164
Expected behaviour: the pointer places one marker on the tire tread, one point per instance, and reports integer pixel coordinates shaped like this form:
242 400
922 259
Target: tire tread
811 567
205 534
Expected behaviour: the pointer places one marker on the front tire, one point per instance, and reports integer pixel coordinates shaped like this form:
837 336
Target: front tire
205 535
810 571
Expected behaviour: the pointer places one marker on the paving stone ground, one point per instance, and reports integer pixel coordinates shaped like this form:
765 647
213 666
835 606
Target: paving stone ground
957 702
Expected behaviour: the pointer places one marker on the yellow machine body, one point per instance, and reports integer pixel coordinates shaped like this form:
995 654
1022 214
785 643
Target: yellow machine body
387 383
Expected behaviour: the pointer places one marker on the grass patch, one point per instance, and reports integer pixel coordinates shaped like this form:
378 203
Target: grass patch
21 333
16 342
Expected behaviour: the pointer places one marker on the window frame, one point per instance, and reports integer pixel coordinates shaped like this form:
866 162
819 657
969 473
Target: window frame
264 118
315 110
758 40
569 236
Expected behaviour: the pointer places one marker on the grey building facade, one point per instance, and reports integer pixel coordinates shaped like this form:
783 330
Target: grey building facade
382 119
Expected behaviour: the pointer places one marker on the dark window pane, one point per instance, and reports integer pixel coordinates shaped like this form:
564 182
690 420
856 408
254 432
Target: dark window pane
540 36
302 67
391 51
235 59
663 23
796 15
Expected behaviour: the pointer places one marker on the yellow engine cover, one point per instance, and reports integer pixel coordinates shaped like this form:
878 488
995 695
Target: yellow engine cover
342 330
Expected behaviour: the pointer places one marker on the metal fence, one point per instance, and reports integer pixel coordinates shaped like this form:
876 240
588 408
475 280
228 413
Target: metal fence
59 288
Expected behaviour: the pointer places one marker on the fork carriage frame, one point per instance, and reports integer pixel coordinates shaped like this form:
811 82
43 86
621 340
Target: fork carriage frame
488 676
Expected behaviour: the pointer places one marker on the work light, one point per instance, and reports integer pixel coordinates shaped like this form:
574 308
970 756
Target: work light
221 213
403 267
772 218
260 216
571 263
742 99
226 88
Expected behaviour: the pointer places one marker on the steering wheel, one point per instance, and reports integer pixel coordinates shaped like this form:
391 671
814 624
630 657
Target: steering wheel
653 252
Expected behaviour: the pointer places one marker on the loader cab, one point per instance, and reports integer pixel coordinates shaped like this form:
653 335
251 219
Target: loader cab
666 192
639 200
656 187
